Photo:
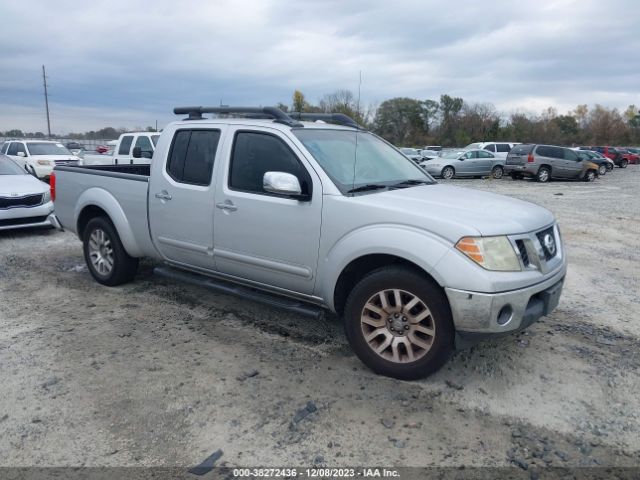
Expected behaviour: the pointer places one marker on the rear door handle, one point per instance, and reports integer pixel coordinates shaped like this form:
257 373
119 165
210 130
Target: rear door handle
164 195
227 205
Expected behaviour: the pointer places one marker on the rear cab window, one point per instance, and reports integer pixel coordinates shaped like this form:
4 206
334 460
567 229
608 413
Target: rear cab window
192 156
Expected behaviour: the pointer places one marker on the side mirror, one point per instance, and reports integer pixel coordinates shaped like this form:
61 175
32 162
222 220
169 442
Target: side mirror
137 152
21 154
462 159
282 183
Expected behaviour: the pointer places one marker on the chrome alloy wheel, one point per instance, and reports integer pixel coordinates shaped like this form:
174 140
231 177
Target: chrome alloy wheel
101 252
398 326
447 173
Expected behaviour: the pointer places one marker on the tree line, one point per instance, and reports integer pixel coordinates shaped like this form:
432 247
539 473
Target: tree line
451 121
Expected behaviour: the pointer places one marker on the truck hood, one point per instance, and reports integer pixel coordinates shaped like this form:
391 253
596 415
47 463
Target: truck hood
19 185
466 211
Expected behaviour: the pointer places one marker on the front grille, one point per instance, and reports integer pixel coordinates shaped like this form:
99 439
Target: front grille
24 201
66 162
524 256
22 221
549 243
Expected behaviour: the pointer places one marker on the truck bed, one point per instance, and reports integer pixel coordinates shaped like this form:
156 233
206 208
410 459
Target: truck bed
120 190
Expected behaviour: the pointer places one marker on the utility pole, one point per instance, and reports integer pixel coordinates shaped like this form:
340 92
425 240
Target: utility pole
46 100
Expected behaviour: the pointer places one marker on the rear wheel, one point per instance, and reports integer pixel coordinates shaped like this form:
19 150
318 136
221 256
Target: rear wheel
602 170
624 163
399 323
609 166
108 261
448 173
543 175
497 172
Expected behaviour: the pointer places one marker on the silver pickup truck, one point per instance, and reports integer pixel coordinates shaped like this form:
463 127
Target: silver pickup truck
320 214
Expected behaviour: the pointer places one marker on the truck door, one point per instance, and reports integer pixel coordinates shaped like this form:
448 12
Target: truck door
123 155
181 197
260 236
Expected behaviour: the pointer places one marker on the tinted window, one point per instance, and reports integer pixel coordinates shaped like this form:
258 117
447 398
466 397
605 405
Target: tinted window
3 148
192 156
551 152
125 145
570 155
522 149
503 147
484 154
15 148
473 154
491 147
145 145
257 153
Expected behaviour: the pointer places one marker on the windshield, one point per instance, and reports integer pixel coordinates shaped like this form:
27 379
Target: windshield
452 154
42 148
9 167
473 146
377 162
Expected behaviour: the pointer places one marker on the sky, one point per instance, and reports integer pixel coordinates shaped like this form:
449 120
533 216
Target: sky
128 63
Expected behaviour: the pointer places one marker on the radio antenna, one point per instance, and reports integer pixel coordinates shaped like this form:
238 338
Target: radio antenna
355 150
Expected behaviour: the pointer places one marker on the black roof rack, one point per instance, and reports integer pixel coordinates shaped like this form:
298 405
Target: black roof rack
339 118
195 113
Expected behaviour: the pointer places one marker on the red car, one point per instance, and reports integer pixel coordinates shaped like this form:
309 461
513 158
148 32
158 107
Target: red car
614 154
630 155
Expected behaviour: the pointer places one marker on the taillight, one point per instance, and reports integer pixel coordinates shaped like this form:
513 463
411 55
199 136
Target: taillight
530 158
52 186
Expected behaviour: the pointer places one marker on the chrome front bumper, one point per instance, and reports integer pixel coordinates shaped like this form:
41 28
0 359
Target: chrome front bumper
481 315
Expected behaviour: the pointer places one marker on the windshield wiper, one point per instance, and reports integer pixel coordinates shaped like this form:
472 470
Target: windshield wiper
410 183
367 187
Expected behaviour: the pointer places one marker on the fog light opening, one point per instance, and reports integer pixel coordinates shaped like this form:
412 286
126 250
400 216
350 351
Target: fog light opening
505 315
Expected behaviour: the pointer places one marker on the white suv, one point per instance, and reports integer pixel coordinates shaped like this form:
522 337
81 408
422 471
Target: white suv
499 149
38 157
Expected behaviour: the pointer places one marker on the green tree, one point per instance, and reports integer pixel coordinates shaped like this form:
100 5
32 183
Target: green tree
399 120
299 101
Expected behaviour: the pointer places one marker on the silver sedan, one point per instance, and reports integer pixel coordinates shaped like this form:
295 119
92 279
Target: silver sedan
465 163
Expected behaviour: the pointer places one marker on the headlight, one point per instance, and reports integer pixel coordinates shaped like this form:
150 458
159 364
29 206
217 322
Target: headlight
46 197
492 253
44 162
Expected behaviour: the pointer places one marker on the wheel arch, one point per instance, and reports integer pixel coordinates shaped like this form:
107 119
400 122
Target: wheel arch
98 202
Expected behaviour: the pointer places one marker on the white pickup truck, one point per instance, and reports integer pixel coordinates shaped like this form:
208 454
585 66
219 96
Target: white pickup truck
122 153
309 216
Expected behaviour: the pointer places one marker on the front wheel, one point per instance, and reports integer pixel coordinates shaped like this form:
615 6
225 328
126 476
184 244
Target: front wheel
399 323
602 170
624 163
106 258
590 176
609 167
448 173
497 172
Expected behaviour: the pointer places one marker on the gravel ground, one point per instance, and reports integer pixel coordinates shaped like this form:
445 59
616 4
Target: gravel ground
160 373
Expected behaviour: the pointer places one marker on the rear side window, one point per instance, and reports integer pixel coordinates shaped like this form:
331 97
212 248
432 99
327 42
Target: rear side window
254 154
125 145
551 152
192 156
522 149
503 147
491 147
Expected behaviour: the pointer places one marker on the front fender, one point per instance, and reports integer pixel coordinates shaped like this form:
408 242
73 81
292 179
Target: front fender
101 198
420 247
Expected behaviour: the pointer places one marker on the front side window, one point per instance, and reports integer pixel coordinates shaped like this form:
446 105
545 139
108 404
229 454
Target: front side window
473 154
42 148
145 146
125 145
355 159
256 153
192 156
4 147
484 154
13 149
571 155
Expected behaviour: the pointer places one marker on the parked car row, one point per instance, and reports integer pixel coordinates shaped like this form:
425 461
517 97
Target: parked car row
38 157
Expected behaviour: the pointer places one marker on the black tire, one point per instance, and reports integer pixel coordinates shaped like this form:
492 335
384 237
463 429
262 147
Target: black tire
517 176
497 172
124 266
610 167
624 163
448 172
543 175
590 176
602 170
413 284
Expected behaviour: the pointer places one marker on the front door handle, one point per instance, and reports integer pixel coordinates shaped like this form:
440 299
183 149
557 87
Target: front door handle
164 195
227 205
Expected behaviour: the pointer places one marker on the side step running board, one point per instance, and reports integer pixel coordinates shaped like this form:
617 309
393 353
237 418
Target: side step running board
221 286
